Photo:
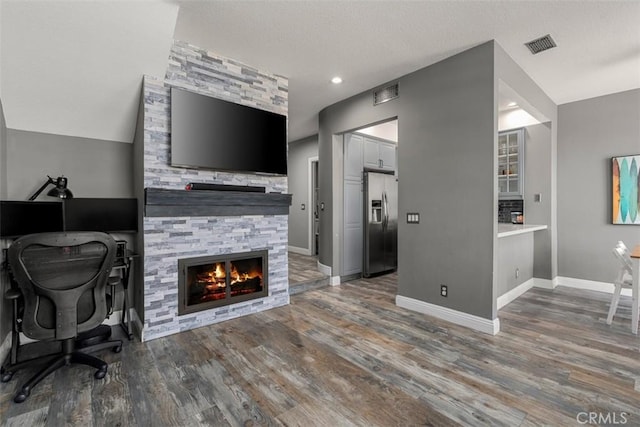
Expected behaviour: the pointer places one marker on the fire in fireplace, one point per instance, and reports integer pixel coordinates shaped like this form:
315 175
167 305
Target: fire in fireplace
214 281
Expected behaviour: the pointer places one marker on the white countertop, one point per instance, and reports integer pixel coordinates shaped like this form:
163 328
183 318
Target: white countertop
505 230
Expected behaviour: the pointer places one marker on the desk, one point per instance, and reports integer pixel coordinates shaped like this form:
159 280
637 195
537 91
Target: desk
122 267
635 260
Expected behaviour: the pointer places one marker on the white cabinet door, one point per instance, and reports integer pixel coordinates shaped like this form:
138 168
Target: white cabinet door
353 227
387 156
371 154
379 154
353 156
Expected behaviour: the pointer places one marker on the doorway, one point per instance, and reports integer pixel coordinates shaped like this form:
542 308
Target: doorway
368 151
315 216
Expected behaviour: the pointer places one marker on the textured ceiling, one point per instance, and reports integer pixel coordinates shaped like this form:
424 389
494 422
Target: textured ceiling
369 43
75 67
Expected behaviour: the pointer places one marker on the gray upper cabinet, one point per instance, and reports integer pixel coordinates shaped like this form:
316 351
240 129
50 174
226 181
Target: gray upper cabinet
510 164
379 154
353 157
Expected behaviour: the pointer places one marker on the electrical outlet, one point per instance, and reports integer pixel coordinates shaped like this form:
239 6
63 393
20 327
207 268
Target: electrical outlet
443 290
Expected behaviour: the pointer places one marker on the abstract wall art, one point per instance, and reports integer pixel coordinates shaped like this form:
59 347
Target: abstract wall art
626 190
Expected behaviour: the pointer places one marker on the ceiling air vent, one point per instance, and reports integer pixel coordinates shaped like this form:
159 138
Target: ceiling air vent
386 94
541 44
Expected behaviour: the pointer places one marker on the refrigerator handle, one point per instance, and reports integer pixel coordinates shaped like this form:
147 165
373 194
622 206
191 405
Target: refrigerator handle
385 202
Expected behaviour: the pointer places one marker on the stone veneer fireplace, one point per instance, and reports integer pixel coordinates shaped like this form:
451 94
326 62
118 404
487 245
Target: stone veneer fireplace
176 226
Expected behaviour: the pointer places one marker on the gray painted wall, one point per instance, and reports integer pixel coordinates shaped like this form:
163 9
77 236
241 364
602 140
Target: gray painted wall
348 115
298 184
95 168
537 180
515 252
590 132
446 153
447 131
446 163
138 189
3 154
5 305
510 73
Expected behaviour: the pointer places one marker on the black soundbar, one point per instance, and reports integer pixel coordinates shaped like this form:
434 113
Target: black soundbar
224 187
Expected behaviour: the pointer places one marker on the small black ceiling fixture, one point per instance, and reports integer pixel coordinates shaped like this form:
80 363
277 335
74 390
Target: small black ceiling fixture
541 44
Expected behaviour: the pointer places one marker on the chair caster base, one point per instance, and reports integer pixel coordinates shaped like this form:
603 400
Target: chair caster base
6 376
21 396
100 374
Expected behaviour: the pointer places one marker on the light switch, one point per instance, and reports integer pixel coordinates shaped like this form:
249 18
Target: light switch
537 197
413 218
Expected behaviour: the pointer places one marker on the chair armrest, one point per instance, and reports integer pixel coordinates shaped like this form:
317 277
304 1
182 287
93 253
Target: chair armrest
11 294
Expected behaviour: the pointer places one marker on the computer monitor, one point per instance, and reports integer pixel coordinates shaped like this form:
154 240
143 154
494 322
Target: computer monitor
18 217
101 214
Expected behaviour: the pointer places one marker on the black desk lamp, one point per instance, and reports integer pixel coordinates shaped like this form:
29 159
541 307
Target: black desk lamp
60 190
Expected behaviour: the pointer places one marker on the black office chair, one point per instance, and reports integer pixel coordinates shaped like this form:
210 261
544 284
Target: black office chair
62 279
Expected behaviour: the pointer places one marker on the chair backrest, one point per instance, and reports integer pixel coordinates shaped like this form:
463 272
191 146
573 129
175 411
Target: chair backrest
62 277
624 258
624 247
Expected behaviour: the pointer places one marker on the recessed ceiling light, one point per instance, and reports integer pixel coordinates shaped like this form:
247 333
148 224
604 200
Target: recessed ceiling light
512 104
336 80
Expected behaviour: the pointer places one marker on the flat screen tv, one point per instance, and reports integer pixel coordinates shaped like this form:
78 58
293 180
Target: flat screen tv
209 133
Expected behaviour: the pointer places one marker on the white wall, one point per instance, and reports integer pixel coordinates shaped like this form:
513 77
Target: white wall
515 118
387 130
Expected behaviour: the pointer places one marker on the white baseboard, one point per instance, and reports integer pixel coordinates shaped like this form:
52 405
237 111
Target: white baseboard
491 327
297 250
324 269
514 293
590 285
544 283
569 282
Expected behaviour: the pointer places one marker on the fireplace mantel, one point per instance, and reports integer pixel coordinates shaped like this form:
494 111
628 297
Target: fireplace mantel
160 202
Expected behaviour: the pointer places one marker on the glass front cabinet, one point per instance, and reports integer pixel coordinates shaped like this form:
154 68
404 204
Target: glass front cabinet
510 162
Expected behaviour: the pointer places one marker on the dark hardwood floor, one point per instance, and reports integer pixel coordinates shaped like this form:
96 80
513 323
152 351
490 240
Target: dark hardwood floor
347 356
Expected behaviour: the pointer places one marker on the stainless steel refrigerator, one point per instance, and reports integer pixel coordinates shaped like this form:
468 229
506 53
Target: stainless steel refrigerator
380 223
